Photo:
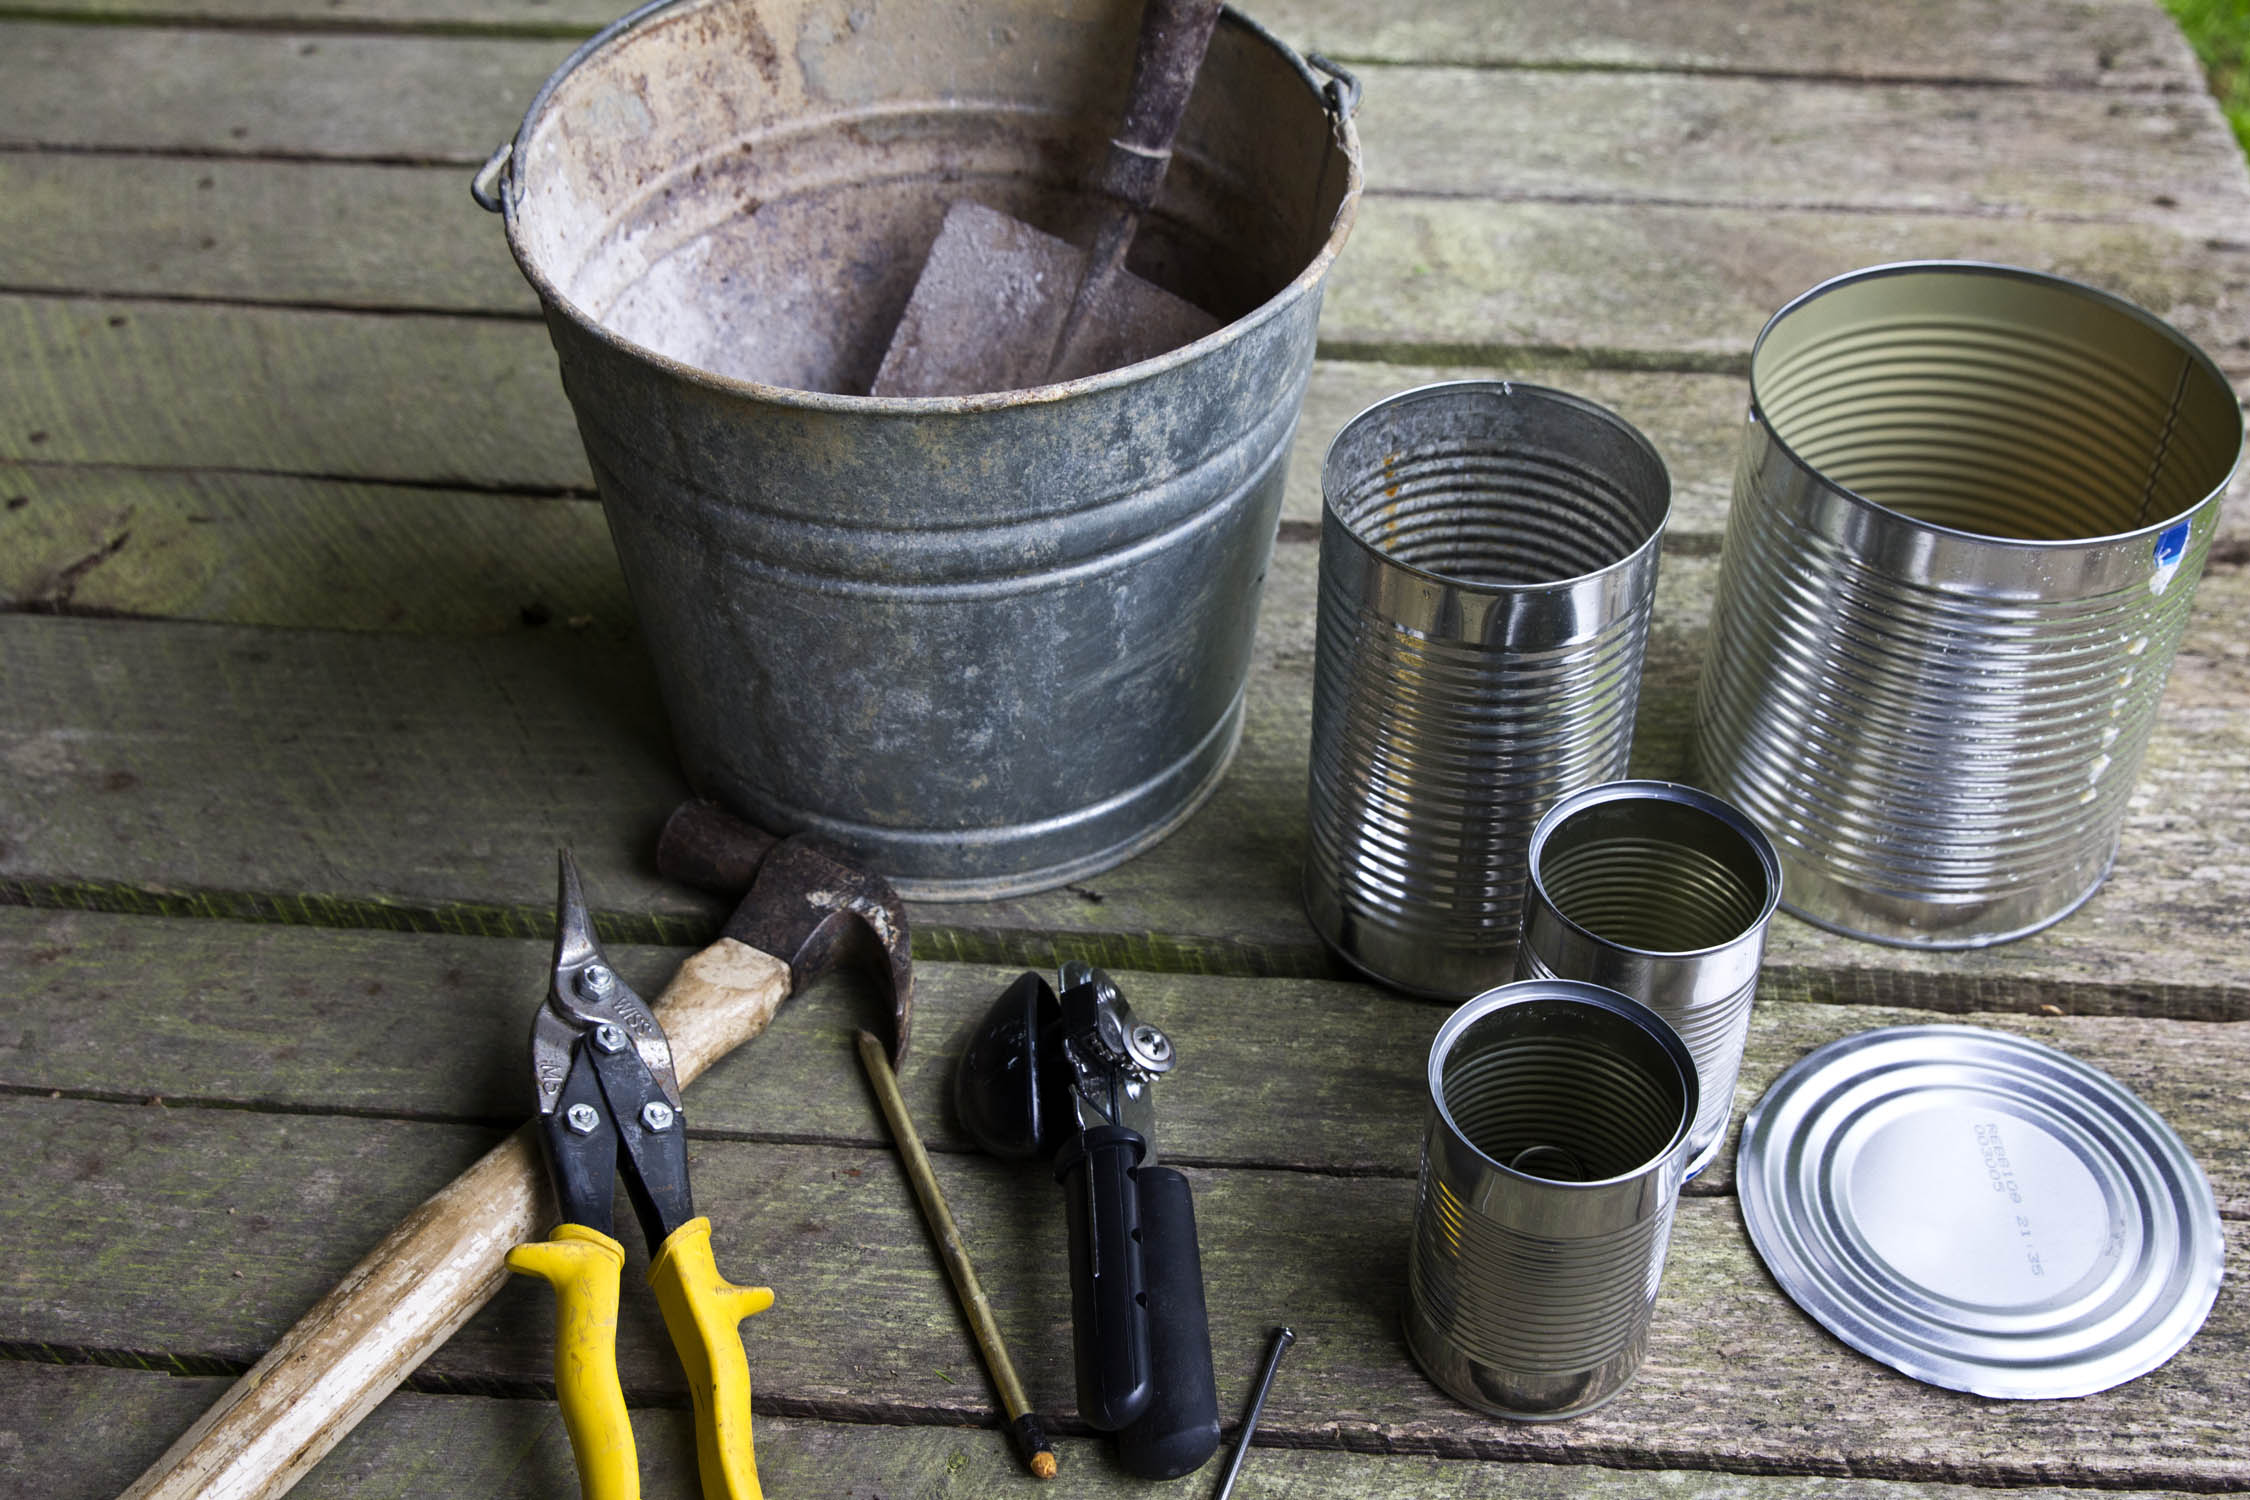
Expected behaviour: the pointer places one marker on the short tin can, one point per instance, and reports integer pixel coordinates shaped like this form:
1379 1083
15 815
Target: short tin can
1663 893
1972 508
1552 1161
1488 559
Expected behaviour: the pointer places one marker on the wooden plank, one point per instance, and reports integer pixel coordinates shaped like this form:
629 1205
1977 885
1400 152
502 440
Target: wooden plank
281 550
303 233
515 1450
215 1014
424 783
2163 158
2099 43
1678 288
2084 43
194 1236
257 93
1676 138
437 403
1424 280
443 402
425 400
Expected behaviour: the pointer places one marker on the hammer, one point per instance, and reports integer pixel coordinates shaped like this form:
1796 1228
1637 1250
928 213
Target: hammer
805 907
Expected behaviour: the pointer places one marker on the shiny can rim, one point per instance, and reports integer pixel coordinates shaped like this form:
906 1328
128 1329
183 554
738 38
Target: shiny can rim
1507 389
2133 311
1649 789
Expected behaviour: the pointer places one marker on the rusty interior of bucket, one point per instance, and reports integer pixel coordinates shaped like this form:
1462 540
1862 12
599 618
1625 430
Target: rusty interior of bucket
751 188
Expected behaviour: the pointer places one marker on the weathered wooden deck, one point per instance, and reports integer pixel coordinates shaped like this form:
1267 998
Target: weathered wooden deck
316 647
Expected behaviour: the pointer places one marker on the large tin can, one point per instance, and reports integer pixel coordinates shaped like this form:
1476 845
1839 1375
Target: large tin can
1488 560
1973 505
1663 893
988 643
1551 1166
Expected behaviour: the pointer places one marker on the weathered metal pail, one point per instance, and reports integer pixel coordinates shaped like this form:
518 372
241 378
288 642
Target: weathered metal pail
1488 556
1663 893
1551 1165
1973 505
989 643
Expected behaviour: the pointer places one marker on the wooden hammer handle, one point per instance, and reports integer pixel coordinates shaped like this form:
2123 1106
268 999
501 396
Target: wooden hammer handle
429 1275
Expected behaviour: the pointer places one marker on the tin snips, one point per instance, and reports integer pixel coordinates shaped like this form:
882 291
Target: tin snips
609 1102
1071 1077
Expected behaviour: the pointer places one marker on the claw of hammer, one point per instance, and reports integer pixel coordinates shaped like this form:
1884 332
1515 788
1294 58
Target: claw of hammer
805 904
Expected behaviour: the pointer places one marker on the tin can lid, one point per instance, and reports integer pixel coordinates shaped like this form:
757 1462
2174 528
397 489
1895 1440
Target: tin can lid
1980 1211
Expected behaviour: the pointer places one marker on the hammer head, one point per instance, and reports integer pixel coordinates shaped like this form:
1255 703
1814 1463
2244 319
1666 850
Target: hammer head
807 904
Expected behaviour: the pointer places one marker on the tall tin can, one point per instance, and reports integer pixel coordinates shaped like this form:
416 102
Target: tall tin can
1488 560
987 643
1663 893
1551 1165
1973 505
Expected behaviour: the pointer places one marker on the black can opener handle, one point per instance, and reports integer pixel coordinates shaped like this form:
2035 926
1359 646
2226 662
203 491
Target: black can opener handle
1179 1429
1142 1335
1108 1290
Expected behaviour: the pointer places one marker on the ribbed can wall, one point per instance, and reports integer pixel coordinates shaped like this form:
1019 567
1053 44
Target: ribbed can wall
1551 1165
1971 513
1664 893
1488 560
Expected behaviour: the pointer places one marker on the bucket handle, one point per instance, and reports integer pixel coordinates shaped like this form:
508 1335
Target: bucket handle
485 186
1343 86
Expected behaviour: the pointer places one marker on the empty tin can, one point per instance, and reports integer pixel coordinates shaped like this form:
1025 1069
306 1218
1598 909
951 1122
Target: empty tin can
1487 561
1663 893
1973 505
1551 1164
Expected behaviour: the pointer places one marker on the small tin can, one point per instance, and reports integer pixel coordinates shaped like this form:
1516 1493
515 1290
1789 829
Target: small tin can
1551 1164
1663 893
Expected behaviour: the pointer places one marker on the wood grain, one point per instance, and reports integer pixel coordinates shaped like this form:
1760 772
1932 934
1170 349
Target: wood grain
134 744
435 401
2159 157
515 1450
1432 280
2077 43
313 394
284 550
439 402
212 396
1735 1376
219 1015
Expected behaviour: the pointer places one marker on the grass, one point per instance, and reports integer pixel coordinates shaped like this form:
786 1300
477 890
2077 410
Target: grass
2219 31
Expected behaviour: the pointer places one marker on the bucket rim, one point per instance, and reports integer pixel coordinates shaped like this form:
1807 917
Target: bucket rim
1642 789
1639 556
1339 104
2194 352
1589 996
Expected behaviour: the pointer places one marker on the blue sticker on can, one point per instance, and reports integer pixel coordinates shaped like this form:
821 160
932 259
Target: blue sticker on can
2172 545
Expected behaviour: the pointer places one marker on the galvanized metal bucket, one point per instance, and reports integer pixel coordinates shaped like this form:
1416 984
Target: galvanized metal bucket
1663 893
1973 505
1487 563
1552 1162
988 643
